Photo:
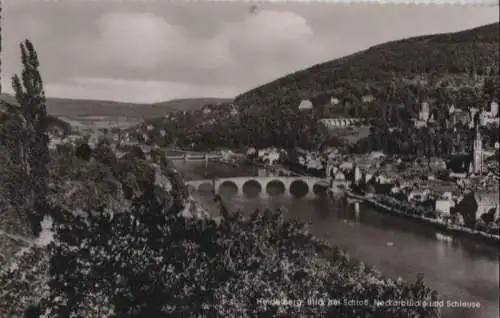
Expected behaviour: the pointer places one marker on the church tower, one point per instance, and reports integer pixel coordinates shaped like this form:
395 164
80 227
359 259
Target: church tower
478 153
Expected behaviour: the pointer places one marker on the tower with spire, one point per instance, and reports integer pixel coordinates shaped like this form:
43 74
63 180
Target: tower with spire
478 152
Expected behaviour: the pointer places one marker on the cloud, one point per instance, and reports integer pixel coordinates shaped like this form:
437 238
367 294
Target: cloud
134 91
243 53
272 43
147 41
266 33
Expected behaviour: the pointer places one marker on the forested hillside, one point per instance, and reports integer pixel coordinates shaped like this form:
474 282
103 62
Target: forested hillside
428 63
385 85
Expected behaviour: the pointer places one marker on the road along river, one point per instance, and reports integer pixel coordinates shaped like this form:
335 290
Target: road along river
459 269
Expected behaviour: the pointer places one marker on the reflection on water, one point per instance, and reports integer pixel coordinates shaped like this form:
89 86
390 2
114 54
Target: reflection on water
459 269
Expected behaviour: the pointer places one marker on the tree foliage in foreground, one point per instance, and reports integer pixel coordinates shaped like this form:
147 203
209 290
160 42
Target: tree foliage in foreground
152 262
145 259
24 136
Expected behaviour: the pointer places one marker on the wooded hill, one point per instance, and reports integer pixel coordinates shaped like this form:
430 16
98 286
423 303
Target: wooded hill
385 71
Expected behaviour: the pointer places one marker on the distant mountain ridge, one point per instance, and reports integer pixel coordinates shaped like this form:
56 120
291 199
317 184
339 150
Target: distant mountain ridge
72 108
371 71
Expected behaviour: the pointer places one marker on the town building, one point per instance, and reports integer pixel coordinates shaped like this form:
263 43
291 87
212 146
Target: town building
424 113
489 117
334 101
460 116
473 115
367 99
207 109
445 203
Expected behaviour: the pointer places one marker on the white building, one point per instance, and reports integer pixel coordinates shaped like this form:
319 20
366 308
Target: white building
473 111
358 175
489 117
305 104
424 112
444 205
339 122
206 110
451 109
367 99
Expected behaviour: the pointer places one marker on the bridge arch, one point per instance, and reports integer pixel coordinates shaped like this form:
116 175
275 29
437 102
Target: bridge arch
319 190
252 188
275 188
229 187
299 188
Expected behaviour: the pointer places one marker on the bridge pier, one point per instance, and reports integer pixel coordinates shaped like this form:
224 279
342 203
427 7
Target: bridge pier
263 194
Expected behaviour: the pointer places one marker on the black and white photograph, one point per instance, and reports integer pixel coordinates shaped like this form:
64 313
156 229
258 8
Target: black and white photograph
249 159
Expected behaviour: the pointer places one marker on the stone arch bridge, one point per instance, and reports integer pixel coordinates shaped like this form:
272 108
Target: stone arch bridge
300 187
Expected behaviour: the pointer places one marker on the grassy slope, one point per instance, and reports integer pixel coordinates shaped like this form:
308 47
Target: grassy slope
370 71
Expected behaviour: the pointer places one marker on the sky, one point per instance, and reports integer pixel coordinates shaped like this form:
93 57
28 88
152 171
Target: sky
151 51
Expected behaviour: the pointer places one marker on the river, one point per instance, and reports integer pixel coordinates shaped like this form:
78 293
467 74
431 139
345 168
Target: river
459 269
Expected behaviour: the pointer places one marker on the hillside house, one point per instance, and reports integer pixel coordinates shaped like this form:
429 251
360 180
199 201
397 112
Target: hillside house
305 105
367 99
58 129
424 113
347 166
233 110
207 109
451 109
370 173
493 110
474 112
437 164
334 101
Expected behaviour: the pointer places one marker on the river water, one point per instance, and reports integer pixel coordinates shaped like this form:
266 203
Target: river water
459 269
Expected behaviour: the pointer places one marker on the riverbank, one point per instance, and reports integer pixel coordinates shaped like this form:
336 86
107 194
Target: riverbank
444 265
449 229
455 230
